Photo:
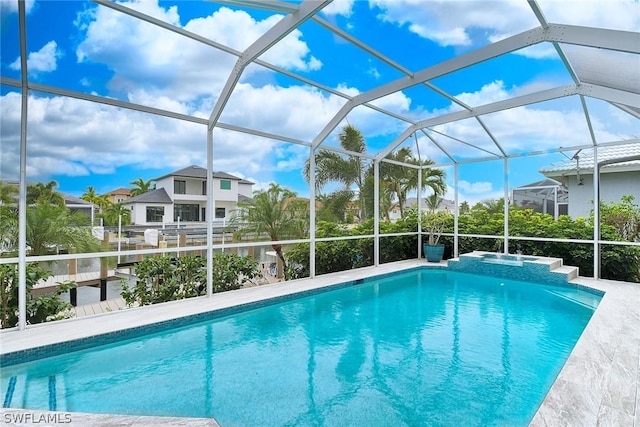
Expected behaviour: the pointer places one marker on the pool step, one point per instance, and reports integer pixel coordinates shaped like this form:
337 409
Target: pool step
533 268
48 388
567 270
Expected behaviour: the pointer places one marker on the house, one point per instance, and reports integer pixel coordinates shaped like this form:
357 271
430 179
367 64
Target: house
181 196
119 195
619 176
445 205
546 196
74 204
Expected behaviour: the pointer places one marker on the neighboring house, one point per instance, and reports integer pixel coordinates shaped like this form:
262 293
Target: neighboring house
119 195
74 204
444 205
547 196
182 196
616 180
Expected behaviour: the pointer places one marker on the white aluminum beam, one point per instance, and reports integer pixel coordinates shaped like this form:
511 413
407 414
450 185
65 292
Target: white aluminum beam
621 41
22 191
506 104
635 113
493 50
587 117
437 144
609 94
276 33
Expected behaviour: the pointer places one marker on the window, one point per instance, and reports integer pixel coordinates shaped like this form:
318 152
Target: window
179 187
204 188
220 213
155 213
186 212
225 184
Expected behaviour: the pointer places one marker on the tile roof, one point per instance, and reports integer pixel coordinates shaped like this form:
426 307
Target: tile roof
568 167
195 171
154 196
119 191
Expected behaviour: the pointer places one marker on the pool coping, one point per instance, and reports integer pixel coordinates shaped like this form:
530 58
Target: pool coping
598 384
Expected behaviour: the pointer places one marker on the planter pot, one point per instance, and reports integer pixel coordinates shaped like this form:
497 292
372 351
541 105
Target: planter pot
433 253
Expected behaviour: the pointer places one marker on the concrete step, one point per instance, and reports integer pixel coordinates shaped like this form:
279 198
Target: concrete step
567 270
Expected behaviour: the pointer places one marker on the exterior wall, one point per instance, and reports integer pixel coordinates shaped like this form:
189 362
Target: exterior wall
225 195
612 187
245 189
139 213
230 207
227 199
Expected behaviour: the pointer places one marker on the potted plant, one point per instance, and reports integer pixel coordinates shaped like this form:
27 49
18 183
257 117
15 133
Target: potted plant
434 223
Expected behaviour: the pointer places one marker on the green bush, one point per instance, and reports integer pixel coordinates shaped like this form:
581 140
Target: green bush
41 309
166 279
618 262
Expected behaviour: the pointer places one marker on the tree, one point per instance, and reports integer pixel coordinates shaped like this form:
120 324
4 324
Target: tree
433 201
624 216
51 227
490 206
277 213
141 186
8 215
333 207
40 309
113 212
44 193
347 170
90 195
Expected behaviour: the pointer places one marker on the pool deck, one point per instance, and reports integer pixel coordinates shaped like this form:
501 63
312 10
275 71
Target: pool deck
598 386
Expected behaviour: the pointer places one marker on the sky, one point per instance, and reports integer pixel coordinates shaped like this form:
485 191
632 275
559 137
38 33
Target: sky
89 48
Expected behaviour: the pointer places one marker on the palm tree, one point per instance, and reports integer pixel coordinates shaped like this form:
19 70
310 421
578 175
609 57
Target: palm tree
433 201
50 227
141 186
277 213
44 193
8 215
348 170
400 180
89 194
115 210
333 207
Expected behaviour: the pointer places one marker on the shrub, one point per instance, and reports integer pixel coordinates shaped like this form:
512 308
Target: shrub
166 279
41 309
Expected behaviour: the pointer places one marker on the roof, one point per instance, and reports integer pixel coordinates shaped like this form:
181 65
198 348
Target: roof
72 200
195 171
154 196
545 183
584 159
120 192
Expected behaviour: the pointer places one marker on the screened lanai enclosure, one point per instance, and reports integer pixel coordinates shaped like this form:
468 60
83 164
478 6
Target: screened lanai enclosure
488 94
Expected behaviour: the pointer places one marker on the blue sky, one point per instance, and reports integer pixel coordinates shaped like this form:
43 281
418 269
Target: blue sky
85 47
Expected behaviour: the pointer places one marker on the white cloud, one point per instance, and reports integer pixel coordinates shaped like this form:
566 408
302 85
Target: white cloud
44 60
72 137
474 192
159 62
468 23
9 6
479 187
339 7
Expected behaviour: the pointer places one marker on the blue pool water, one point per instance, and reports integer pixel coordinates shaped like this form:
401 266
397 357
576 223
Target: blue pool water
422 347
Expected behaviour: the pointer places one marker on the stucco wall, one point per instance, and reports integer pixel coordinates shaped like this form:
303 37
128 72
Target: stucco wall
612 187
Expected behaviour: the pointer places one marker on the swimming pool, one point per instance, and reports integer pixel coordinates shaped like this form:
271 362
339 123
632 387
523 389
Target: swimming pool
420 347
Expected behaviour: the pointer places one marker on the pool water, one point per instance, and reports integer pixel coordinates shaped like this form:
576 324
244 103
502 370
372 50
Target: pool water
421 347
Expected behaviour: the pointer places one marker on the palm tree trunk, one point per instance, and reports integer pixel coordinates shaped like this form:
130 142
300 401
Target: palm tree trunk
282 264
